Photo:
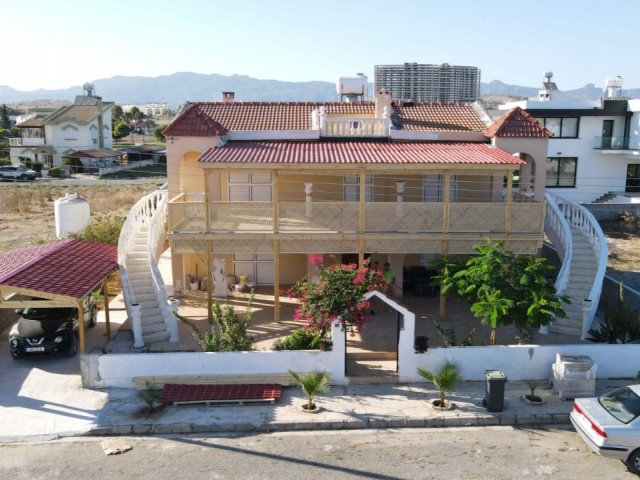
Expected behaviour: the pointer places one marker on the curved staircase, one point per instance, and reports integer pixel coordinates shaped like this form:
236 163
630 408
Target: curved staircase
582 247
140 244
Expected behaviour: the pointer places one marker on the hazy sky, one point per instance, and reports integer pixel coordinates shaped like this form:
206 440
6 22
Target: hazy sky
61 43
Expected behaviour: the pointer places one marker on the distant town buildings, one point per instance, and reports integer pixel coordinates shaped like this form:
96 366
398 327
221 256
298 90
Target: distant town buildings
417 82
150 109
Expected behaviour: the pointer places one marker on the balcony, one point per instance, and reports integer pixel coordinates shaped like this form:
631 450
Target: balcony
26 142
374 127
187 216
616 143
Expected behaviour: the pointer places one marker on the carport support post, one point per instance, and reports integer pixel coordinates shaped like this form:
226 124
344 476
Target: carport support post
105 295
81 326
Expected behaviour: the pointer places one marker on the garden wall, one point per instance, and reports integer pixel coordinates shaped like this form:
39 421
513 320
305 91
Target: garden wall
526 362
118 370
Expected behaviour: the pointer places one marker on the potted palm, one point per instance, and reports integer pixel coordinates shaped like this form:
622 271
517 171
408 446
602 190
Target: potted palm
444 377
312 384
532 398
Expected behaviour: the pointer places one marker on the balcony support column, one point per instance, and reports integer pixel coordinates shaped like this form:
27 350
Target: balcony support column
361 216
276 248
508 209
209 247
445 243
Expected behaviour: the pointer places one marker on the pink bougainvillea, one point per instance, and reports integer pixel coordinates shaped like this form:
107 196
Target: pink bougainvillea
338 293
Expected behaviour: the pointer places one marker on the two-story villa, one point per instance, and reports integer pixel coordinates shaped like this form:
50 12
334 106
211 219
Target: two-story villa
81 130
263 185
595 147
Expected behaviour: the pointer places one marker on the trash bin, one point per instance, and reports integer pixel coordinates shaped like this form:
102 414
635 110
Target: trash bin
494 396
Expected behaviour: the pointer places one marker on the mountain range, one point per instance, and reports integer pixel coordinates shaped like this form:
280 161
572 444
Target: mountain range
174 89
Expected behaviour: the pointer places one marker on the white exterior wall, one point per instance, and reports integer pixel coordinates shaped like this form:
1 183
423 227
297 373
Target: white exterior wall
598 172
118 370
528 362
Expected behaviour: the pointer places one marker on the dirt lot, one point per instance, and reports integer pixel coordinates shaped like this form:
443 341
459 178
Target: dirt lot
27 211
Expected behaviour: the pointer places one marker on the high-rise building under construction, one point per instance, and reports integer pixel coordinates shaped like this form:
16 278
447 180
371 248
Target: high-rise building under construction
418 82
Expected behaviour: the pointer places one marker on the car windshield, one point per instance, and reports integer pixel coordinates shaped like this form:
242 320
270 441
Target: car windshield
622 403
41 313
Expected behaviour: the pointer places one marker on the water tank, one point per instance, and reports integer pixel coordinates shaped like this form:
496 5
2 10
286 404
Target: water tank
353 87
72 214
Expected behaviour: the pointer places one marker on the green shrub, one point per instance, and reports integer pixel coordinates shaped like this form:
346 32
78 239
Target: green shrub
5 161
74 163
103 229
300 339
36 166
55 172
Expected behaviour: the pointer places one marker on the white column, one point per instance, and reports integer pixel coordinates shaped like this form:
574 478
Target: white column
323 118
586 317
136 325
399 192
172 322
308 190
339 352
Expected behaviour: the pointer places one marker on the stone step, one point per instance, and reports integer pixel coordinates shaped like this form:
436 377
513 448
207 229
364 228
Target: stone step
144 297
154 328
156 337
567 327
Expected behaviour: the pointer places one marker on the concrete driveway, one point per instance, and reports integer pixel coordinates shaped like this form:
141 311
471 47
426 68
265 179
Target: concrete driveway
42 398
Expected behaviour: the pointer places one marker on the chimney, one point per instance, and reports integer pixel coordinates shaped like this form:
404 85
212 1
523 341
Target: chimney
228 97
382 99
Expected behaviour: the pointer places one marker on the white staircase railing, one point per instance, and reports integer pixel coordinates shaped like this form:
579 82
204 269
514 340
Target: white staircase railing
579 217
557 228
142 214
156 239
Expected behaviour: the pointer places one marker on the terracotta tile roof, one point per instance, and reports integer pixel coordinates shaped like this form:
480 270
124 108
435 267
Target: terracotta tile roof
193 122
240 116
65 267
439 117
98 153
368 153
517 123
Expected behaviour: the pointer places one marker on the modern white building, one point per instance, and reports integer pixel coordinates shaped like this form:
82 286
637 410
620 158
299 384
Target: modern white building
595 149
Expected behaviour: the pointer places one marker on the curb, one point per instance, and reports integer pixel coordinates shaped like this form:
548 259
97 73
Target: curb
352 424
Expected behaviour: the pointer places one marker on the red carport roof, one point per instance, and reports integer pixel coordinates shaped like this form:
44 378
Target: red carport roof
365 153
70 268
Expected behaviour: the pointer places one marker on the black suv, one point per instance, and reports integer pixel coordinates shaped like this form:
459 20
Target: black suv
49 330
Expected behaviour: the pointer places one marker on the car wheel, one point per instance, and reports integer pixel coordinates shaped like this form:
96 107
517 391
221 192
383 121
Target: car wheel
23 177
633 462
15 356
94 316
73 346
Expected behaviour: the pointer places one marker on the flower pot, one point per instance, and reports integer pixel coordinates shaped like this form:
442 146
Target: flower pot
44 173
447 405
532 400
315 409
194 286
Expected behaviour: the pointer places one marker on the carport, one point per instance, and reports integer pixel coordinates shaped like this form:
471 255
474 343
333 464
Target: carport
61 273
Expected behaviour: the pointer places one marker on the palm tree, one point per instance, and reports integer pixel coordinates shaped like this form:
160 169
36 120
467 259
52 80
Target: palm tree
312 384
445 377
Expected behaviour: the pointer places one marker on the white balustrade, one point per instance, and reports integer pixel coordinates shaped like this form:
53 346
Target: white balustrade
579 217
150 211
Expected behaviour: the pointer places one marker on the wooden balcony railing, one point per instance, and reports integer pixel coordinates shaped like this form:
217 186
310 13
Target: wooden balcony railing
343 217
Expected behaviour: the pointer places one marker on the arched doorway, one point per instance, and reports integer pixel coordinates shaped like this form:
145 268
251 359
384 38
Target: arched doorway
526 181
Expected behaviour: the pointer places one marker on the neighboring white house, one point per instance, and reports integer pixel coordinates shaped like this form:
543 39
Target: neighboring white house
595 148
48 135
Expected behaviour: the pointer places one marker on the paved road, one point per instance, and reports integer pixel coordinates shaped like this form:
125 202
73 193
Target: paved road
453 453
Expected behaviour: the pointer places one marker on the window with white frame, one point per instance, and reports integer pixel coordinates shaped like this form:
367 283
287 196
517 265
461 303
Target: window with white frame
94 133
351 188
70 132
433 188
250 187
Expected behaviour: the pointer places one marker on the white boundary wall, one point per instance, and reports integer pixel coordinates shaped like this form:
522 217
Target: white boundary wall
118 370
525 362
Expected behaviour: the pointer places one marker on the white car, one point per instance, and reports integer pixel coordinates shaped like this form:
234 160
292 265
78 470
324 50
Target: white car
9 172
610 424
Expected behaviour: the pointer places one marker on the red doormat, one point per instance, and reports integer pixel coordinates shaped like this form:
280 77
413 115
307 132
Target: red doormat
180 393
